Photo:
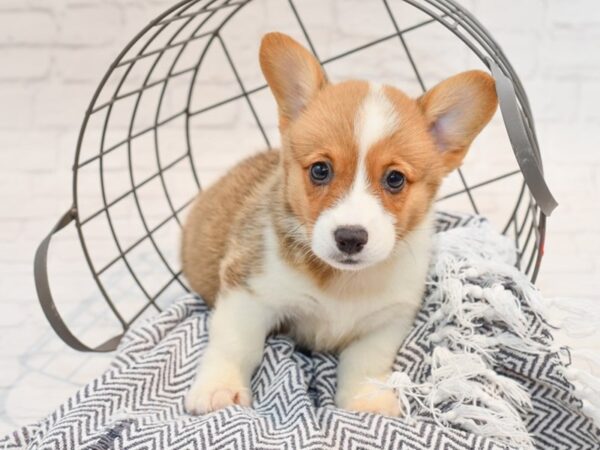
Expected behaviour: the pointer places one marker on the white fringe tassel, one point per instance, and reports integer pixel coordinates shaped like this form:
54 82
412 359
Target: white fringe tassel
462 388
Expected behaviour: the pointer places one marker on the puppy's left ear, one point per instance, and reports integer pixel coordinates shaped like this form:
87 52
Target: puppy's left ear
456 110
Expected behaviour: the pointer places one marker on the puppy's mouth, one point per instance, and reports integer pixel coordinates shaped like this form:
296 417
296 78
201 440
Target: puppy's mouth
345 262
349 261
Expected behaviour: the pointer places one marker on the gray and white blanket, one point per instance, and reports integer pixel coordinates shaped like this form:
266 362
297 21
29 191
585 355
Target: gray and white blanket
478 371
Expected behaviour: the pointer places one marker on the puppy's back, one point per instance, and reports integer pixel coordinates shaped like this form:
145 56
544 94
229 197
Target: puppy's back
207 229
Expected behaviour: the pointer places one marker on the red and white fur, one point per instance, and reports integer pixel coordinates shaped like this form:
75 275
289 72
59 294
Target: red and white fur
261 246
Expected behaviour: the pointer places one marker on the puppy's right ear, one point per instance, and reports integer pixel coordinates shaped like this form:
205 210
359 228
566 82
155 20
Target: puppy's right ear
292 72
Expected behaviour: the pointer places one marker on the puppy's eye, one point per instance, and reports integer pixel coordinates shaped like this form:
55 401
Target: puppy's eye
394 181
321 172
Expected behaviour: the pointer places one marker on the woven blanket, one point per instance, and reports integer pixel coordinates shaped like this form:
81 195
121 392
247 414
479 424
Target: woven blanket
479 370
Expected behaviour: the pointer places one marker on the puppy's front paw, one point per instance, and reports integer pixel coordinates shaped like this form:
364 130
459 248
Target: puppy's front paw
213 391
373 399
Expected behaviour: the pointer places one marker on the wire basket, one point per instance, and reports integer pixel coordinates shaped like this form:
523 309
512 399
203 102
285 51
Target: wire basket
186 97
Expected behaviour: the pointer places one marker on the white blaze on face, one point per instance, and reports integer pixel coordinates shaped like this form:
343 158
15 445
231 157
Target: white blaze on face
375 119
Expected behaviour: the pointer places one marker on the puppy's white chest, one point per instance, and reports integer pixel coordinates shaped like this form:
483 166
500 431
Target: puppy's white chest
353 303
328 322
323 319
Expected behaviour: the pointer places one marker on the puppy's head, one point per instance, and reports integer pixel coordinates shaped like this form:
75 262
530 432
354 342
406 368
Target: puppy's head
363 162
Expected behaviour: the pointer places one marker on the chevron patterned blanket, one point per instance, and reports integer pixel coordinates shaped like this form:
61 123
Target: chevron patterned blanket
478 371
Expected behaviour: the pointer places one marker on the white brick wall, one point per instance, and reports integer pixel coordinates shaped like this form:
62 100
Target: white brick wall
53 54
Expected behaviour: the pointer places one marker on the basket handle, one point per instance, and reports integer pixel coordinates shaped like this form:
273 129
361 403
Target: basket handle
528 161
40 270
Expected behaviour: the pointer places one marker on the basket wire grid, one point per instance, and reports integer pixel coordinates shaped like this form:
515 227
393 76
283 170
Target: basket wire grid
108 154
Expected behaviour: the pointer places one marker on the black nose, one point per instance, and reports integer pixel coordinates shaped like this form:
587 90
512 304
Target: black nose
351 239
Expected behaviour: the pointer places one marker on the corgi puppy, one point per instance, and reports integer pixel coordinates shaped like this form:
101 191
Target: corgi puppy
329 238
